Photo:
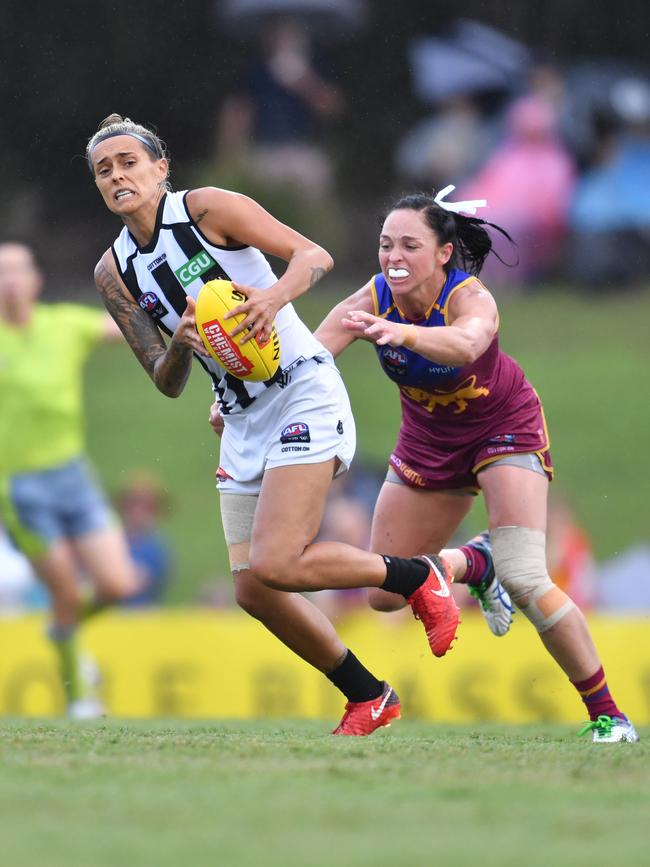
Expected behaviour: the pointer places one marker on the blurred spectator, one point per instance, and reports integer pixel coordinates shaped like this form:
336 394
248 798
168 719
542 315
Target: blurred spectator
610 214
466 76
50 501
448 146
569 554
142 503
515 159
271 126
271 133
361 483
528 182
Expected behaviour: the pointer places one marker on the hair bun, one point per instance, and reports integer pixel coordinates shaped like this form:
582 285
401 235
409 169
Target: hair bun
111 119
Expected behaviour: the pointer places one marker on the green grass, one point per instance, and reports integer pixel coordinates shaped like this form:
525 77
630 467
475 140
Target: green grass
278 794
587 357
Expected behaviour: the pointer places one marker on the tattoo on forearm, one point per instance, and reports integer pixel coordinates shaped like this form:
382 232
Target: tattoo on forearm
200 216
141 334
174 369
316 275
168 369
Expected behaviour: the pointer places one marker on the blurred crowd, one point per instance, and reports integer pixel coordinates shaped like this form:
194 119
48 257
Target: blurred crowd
562 155
560 152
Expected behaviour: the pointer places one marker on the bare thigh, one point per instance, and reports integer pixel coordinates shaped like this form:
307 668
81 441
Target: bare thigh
105 557
408 521
290 509
288 515
514 497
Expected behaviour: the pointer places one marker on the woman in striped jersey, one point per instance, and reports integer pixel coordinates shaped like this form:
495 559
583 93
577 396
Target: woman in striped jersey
284 439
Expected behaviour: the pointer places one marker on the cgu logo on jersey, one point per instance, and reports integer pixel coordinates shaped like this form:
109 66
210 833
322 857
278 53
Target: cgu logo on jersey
394 360
298 432
197 265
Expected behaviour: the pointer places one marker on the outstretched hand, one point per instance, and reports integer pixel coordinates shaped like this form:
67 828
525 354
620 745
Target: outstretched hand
380 331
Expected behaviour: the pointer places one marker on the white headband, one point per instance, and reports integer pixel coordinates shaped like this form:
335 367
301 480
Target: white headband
458 207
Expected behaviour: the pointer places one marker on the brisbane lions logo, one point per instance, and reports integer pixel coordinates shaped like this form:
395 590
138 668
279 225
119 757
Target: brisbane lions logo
466 391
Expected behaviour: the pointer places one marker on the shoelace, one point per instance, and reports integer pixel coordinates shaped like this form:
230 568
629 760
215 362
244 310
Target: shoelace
604 725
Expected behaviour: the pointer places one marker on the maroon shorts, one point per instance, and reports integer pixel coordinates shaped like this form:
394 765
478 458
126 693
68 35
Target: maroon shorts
424 459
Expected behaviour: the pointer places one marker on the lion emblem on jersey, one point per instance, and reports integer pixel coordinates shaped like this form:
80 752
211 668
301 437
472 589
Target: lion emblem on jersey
466 391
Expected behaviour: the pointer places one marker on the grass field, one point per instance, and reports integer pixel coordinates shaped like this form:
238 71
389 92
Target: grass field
587 357
277 794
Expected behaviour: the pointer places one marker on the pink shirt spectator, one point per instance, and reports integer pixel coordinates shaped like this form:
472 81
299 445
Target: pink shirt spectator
528 183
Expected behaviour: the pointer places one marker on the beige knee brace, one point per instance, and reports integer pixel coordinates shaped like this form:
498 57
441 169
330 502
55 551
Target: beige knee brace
237 515
520 564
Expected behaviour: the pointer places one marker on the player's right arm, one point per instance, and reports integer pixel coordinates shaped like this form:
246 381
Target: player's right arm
331 332
168 366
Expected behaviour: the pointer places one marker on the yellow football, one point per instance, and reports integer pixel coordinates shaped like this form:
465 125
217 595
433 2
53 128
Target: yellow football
253 361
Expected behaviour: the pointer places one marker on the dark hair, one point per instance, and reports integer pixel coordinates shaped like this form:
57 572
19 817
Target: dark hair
471 240
115 124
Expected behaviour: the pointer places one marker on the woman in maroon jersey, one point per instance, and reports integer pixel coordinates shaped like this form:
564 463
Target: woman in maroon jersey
470 422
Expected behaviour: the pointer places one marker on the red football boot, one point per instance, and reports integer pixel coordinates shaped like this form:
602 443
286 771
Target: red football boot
433 604
363 717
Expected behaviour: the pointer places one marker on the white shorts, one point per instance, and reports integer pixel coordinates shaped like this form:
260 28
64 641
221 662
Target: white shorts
309 421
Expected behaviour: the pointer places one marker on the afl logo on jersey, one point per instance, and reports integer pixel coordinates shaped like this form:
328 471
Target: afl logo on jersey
298 432
394 360
152 305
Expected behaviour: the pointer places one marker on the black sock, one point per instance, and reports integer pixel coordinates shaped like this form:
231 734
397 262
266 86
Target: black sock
404 576
354 680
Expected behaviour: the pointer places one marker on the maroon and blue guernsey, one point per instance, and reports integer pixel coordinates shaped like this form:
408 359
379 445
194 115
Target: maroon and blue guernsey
456 420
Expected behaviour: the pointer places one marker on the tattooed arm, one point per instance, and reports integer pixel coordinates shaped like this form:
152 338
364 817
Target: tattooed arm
168 366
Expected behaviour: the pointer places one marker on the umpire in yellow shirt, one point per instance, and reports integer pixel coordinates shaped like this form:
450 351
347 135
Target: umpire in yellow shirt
50 502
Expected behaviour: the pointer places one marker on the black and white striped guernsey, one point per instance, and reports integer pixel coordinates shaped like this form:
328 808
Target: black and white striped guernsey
177 262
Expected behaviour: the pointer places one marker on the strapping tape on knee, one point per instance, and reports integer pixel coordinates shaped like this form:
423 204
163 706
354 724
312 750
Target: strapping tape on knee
237 516
520 563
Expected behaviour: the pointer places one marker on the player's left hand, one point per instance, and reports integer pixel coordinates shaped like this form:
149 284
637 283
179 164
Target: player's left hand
380 331
260 307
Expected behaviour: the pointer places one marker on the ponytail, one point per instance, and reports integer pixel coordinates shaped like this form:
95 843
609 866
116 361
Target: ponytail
469 236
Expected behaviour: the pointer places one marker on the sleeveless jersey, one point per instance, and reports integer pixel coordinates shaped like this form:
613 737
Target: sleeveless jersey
447 410
177 262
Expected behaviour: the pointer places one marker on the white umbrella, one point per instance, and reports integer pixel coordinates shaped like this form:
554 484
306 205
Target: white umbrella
474 58
323 17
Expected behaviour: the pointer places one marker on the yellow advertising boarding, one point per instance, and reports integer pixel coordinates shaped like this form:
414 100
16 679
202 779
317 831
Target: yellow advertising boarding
200 664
